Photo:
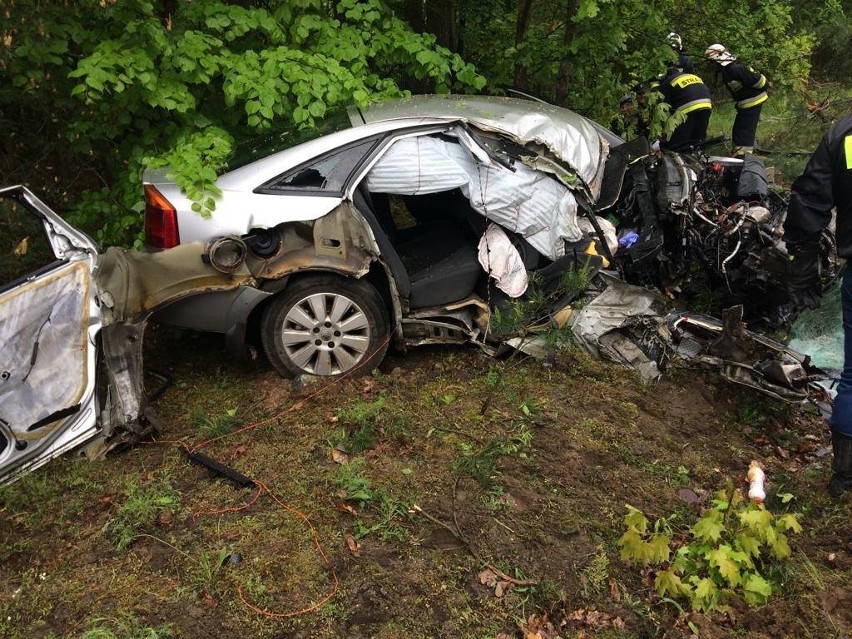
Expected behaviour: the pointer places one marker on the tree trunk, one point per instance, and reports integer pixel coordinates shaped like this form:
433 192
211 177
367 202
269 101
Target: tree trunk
521 24
412 13
441 21
565 67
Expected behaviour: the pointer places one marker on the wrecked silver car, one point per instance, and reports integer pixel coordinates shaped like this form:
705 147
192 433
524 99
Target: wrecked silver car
405 222
438 219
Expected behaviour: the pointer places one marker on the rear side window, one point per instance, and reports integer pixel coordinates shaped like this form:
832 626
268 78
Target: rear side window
280 138
326 175
24 248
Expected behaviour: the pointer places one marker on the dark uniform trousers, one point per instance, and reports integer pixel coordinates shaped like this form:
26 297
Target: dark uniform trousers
826 183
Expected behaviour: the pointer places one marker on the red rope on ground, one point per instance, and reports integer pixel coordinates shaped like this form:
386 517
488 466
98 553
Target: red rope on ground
262 488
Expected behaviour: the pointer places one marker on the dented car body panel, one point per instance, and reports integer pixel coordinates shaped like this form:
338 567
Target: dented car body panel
58 324
431 220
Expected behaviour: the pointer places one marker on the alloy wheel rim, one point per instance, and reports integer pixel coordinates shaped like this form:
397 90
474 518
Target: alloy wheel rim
325 334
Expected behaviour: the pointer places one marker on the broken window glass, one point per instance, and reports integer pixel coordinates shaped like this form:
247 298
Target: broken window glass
329 173
25 248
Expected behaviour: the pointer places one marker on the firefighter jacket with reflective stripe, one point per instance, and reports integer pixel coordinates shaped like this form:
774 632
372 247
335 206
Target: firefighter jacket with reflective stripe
746 85
826 182
685 92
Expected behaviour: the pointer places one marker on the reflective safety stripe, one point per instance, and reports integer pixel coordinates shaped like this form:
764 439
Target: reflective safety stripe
695 105
754 101
760 83
685 80
847 148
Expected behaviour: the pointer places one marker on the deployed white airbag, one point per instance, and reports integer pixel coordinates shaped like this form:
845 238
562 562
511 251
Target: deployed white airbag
502 261
525 201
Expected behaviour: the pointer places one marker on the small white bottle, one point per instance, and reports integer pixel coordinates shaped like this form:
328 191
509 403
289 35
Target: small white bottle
756 478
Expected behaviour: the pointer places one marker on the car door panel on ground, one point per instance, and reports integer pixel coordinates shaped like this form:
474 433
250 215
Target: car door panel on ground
48 319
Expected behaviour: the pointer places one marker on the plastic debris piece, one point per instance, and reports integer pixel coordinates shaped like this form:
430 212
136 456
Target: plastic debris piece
756 478
591 249
628 239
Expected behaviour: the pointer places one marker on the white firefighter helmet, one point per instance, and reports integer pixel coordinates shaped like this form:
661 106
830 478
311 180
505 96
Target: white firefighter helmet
718 53
675 41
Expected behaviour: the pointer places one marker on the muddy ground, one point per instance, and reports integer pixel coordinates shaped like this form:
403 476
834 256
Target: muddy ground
446 494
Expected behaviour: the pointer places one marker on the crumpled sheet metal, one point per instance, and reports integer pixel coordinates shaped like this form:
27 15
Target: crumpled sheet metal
742 357
43 348
571 137
132 285
538 207
599 324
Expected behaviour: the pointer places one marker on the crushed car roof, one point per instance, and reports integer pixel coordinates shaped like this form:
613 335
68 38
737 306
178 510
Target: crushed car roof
571 137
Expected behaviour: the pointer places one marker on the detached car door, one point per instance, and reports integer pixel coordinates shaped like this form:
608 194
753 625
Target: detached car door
48 326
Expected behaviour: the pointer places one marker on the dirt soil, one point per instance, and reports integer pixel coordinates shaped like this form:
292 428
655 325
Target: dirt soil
446 494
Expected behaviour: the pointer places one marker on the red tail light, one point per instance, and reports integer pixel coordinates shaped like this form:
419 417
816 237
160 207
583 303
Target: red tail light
161 226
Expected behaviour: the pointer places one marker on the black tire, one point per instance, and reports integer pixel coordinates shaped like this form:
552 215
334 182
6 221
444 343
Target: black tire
325 325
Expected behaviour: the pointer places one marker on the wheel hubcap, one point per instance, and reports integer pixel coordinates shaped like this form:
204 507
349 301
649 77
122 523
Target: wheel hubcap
325 334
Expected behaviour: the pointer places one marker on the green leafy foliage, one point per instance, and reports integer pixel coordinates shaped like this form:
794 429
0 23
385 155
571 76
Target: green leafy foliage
587 53
153 84
726 552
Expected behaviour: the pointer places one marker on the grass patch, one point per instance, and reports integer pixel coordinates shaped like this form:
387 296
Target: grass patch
136 513
125 627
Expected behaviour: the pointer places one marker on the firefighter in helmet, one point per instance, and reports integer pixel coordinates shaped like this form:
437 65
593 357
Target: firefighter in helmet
749 90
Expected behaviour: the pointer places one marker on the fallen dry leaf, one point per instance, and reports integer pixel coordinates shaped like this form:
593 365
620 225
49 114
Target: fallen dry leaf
614 590
344 507
596 620
339 456
164 518
352 543
783 454
488 578
239 451
23 246
538 627
501 588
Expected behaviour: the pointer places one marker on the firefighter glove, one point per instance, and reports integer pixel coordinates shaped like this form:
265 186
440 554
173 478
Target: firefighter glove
805 286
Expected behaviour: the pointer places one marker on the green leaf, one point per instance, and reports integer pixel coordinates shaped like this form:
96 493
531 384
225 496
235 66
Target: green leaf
657 549
705 589
756 589
757 519
587 9
635 519
789 521
749 544
720 558
668 582
709 527
632 546
317 108
779 548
